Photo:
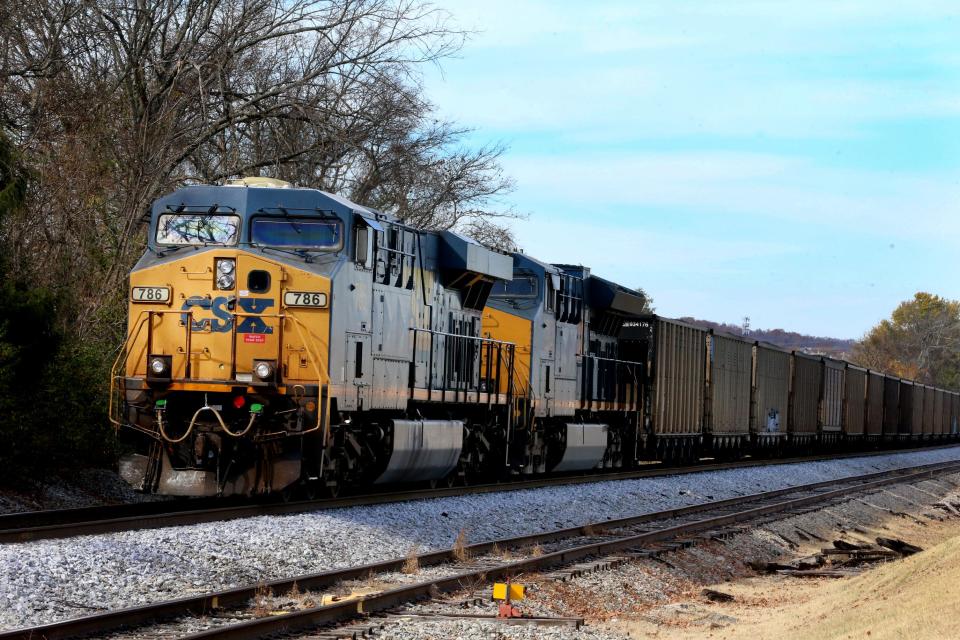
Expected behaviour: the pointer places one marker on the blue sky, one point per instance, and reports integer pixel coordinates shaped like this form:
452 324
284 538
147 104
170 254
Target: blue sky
798 163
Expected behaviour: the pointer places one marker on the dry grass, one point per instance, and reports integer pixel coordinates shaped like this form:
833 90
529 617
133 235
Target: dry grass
909 599
588 530
294 591
500 552
261 601
460 551
471 584
411 565
536 550
369 581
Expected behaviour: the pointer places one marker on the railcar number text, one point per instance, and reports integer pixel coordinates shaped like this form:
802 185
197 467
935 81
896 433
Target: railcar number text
150 294
304 299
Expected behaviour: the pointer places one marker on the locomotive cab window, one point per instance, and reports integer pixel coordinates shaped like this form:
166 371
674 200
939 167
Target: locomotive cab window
297 233
361 246
523 285
197 229
550 299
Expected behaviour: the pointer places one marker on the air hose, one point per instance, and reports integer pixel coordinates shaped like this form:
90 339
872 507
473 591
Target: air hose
193 421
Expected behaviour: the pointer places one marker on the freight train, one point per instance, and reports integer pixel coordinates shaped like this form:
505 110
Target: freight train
288 340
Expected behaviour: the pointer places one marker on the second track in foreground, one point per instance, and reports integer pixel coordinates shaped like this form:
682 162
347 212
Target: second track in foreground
228 614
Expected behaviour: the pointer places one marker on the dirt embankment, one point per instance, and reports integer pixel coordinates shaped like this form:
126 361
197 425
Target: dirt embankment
911 598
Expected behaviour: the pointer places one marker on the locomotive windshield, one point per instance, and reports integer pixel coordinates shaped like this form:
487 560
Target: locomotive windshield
200 229
297 233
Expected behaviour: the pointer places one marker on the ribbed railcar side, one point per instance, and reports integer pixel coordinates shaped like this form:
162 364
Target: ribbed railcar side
854 402
891 407
916 411
831 401
728 389
874 422
805 382
954 413
938 421
678 380
905 422
771 395
929 408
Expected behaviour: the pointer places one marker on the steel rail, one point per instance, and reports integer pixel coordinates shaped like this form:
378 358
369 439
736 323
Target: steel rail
65 523
207 603
322 615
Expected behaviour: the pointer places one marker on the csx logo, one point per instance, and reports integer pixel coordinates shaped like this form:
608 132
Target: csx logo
222 322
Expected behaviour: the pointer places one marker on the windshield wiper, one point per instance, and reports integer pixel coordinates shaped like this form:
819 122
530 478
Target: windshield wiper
300 253
164 251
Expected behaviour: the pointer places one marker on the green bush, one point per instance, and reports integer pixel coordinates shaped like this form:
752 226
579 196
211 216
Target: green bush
53 386
53 390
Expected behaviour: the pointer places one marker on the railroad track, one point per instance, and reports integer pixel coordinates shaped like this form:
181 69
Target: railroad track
66 523
247 612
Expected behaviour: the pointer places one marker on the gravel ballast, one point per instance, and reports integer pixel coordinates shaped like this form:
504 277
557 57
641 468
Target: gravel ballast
85 488
51 580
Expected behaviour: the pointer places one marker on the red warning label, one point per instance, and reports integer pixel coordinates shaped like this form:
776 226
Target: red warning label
255 338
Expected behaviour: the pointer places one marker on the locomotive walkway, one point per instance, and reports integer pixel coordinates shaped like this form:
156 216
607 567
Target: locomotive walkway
231 614
66 523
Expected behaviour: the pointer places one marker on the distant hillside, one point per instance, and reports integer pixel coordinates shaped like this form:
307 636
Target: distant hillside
790 340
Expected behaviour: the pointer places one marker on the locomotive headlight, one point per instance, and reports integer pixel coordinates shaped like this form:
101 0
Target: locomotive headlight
226 278
158 367
225 282
265 370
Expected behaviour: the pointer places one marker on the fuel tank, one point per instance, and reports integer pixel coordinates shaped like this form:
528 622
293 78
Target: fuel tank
423 450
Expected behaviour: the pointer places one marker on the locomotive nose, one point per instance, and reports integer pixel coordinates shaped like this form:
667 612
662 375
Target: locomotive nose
257 339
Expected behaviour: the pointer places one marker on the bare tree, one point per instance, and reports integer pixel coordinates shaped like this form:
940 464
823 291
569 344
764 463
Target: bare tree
114 103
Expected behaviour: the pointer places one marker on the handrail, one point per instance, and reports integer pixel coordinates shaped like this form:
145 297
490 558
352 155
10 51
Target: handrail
460 335
317 365
308 340
593 357
620 390
121 355
490 359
